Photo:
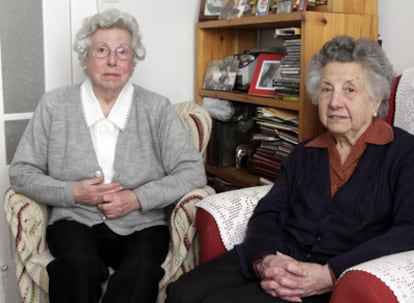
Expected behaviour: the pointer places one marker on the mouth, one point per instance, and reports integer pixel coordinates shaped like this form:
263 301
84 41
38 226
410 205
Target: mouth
111 75
337 117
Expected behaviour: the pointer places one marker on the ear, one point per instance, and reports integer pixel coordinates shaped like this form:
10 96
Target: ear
376 107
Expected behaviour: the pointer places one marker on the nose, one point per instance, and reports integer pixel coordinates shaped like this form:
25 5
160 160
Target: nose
336 99
112 58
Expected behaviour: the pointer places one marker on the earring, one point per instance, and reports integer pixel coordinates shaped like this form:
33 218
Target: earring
375 114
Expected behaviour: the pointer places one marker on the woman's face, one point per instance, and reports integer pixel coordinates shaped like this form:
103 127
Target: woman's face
110 59
345 108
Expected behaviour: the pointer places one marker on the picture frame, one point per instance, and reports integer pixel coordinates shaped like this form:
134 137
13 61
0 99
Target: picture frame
210 9
232 9
262 7
221 74
302 5
267 70
249 7
284 6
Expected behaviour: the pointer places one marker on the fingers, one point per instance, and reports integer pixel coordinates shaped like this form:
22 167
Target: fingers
279 290
91 191
119 204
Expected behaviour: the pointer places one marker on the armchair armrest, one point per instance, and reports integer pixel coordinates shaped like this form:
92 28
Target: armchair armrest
222 219
28 221
183 253
387 279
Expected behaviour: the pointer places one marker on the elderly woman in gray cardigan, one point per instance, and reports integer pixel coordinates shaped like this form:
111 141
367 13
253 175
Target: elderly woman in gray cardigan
108 156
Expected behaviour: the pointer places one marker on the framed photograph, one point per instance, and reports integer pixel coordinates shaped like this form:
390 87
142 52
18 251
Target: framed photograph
267 70
232 9
221 74
249 7
284 6
210 9
262 7
302 5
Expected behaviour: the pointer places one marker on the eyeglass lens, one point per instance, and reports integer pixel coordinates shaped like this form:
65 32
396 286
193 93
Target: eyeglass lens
103 51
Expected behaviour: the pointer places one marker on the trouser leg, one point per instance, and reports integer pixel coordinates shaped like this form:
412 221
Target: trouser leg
137 265
77 273
221 273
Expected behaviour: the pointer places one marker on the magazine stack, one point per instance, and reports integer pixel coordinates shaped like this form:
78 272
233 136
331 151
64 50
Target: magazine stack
275 137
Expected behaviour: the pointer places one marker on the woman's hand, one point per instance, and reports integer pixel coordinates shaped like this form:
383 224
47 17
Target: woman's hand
115 205
91 191
289 279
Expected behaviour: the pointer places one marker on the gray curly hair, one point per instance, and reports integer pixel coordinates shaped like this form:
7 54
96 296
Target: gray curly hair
365 52
111 18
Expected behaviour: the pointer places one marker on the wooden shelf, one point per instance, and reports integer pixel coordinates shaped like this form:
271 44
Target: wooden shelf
218 39
250 99
238 177
253 22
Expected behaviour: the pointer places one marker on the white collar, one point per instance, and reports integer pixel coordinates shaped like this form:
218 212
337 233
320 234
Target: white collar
93 112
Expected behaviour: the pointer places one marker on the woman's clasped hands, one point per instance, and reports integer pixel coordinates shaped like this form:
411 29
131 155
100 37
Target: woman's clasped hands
286 278
111 199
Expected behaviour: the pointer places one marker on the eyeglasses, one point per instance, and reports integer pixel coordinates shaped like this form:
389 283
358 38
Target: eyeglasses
103 51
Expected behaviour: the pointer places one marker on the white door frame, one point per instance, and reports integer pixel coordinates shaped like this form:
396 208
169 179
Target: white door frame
8 282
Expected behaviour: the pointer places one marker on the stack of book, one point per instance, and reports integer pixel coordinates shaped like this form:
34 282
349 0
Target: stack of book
275 137
287 83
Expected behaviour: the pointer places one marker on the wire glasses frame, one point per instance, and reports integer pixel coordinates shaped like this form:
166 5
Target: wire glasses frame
103 51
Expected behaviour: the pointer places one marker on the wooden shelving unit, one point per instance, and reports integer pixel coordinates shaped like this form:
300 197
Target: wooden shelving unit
218 39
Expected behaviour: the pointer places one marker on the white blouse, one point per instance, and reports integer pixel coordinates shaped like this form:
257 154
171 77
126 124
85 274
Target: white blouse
104 131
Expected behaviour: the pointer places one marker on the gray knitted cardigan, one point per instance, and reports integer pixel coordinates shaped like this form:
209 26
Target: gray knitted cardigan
155 157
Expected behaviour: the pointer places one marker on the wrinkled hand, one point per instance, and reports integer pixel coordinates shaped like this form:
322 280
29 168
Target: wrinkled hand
289 279
115 205
91 191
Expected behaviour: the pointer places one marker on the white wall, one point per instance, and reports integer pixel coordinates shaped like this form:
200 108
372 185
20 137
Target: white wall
168 35
396 20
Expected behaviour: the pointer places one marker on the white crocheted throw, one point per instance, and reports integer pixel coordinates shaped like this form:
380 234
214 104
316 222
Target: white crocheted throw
231 210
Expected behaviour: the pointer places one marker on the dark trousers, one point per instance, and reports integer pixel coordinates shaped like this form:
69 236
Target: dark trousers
221 281
83 254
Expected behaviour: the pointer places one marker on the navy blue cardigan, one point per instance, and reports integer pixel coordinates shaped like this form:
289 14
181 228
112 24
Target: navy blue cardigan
370 216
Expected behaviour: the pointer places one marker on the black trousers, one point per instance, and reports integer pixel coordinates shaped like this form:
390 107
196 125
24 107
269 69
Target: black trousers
83 254
221 281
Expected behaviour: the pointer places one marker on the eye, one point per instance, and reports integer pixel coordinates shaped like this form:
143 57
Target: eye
101 51
349 90
326 89
122 52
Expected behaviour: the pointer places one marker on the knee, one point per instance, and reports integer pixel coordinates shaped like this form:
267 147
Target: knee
174 295
78 266
182 291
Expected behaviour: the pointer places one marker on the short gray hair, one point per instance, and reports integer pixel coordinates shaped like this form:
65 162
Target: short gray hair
365 52
111 18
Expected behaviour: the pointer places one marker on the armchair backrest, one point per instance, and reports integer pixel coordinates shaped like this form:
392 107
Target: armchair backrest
404 101
198 121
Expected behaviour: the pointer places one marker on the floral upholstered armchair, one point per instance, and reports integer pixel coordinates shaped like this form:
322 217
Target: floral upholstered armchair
28 221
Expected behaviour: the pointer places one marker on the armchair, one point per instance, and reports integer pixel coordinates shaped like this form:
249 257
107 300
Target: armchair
221 220
28 221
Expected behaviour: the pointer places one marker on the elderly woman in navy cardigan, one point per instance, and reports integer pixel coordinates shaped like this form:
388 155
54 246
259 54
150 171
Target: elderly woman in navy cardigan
108 156
343 198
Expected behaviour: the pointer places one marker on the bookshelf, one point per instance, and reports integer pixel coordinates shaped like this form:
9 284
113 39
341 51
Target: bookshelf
217 39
